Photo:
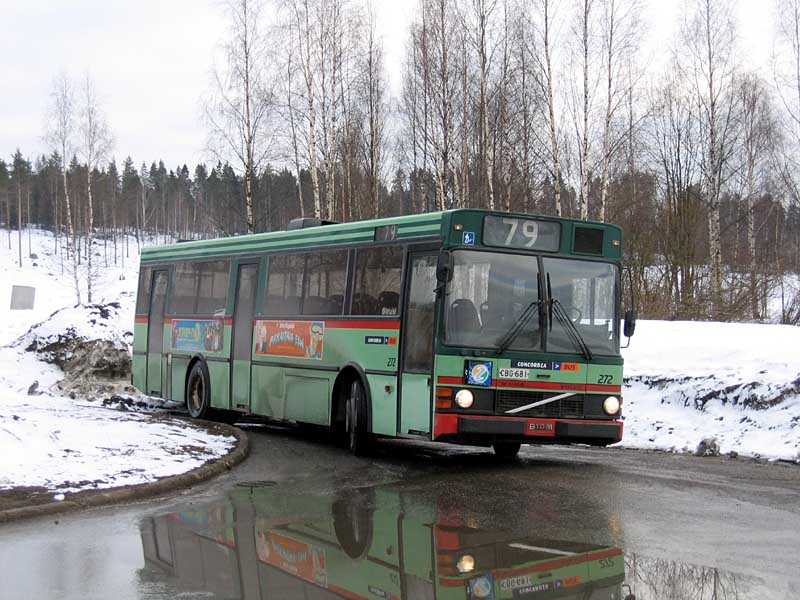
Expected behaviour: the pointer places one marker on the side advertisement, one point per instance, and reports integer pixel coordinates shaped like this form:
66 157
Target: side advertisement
293 339
195 335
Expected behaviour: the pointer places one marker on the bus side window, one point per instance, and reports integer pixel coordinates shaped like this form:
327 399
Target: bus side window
284 285
376 289
143 296
325 277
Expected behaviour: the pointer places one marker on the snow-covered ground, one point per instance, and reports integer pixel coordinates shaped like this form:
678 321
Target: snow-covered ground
736 382
64 444
686 382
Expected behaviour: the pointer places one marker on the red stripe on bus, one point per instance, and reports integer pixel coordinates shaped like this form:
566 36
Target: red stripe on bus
611 389
362 324
558 563
170 320
542 566
144 320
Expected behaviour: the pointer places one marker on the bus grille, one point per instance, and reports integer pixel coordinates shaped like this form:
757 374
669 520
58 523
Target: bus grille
506 400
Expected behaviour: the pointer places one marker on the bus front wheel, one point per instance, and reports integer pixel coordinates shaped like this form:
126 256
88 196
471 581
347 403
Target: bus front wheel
506 450
198 391
355 420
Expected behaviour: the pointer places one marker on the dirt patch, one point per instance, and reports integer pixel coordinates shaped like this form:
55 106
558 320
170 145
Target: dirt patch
25 496
82 341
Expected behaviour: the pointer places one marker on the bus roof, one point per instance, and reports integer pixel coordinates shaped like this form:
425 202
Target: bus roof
426 226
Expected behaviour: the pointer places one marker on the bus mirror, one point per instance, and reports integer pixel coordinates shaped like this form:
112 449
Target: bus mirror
444 267
630 323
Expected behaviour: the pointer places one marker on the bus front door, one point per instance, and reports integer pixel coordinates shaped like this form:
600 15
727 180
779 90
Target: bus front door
155 333
417 345
242 342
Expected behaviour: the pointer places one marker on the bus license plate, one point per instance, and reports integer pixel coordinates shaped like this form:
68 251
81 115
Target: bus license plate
514 374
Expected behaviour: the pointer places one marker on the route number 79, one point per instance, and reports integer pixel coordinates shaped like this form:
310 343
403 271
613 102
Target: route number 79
530 230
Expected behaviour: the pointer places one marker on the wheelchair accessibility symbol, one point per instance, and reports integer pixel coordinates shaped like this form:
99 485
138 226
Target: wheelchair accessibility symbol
468 238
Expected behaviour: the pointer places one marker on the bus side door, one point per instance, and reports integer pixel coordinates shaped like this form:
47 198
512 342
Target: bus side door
416 366
155 333
242 342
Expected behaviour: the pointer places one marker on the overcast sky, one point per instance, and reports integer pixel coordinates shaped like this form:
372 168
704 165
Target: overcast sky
150 61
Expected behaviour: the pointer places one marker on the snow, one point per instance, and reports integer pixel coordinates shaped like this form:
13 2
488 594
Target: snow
736 382
64 444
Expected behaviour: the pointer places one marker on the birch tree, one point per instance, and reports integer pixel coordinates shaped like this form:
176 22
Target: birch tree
239 108
545 20
621 35
756 123
94 145
709 40
60 135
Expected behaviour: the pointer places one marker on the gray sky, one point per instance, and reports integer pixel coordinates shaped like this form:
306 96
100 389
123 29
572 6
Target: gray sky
150 61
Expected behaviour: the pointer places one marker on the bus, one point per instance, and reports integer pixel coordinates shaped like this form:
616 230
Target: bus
464 326
367 543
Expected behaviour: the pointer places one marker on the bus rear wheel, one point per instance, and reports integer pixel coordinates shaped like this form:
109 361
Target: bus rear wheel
355 420
506 449
198 391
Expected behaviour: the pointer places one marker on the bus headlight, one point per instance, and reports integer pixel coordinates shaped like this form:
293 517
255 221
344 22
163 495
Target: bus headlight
611 405
464 398
466 564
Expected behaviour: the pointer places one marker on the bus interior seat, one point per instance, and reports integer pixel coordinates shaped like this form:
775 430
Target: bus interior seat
389 302
336 303
364 304
290 305
316 305
463 318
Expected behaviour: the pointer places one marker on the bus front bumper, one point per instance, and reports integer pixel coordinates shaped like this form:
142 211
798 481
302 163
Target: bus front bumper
488 429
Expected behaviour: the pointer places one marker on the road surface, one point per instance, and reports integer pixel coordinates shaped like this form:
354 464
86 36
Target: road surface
301 518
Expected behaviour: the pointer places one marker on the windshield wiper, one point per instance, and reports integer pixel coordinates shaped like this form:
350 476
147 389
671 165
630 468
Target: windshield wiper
521 321
557 309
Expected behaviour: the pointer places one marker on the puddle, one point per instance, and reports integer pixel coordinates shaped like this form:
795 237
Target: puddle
383 543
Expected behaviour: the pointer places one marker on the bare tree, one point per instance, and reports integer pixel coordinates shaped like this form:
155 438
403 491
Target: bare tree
757 126
375 85
545 15
239 108
94 145
621 34
60 132
709 39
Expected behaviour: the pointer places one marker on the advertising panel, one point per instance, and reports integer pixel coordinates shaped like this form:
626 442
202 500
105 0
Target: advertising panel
292 339
194 335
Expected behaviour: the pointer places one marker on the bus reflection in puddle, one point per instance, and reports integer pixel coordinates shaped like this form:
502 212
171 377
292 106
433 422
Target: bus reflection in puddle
370 543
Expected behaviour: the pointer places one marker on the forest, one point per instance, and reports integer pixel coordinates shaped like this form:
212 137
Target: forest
538 106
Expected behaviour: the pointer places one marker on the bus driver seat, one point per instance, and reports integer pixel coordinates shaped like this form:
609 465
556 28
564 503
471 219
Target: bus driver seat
462 320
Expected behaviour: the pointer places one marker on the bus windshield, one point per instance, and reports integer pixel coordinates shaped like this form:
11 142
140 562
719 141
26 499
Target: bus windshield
493 301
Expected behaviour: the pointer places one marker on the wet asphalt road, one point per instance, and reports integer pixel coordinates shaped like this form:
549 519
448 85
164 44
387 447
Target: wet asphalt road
688 527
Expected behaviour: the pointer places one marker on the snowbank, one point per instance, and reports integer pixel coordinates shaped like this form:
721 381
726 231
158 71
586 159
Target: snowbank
68 444
690 381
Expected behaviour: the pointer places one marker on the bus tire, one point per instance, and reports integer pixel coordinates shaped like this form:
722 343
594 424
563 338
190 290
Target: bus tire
355 422
353 522
506 449
198 391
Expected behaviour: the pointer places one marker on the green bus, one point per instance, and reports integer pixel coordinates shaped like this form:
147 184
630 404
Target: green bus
464 326
370 543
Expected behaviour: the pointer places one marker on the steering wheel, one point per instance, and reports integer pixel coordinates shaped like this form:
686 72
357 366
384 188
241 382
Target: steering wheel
570 310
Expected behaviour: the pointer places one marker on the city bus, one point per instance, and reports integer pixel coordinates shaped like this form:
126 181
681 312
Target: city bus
370 543
464 326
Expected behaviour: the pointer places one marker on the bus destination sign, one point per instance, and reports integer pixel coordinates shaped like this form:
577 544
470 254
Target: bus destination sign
514 232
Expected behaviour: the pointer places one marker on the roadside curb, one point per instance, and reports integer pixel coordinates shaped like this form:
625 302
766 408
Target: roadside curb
94 498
